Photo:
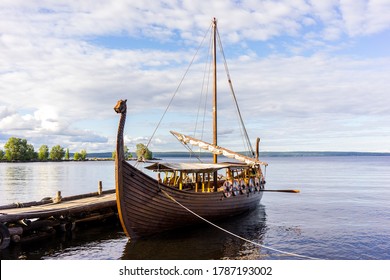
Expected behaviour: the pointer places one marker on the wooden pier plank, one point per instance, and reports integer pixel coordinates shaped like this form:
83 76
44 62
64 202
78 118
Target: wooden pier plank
62 208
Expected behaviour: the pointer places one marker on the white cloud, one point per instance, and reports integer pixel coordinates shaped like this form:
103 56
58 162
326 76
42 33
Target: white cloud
57 85
365 17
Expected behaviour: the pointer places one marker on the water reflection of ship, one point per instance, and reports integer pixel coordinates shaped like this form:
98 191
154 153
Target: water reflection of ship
205 242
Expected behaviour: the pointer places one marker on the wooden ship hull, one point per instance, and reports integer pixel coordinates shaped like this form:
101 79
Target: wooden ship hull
146 206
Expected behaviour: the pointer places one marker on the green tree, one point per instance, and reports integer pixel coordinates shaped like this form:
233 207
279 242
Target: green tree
1 154
43 152
31 154
128 154
83 154
143 152
57 153
67 154
19 149
126 150
77 156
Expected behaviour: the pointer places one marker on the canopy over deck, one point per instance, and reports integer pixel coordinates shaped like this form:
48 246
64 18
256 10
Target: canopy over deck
195 167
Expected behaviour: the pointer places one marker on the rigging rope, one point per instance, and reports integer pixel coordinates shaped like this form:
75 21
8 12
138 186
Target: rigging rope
204 93
242 127
191 151
177 89
233 234
248 142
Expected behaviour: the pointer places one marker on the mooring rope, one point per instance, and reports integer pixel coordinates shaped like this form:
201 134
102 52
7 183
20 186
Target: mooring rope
235 235
177 88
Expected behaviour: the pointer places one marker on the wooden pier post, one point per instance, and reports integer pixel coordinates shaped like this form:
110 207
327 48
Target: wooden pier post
58 198
100 188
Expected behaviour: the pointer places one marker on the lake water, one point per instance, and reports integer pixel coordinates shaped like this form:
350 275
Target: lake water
342 212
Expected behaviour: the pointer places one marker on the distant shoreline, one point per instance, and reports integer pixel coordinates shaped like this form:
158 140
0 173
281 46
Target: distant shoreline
160 155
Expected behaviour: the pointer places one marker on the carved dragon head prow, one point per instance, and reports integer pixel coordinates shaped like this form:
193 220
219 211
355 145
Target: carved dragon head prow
121 106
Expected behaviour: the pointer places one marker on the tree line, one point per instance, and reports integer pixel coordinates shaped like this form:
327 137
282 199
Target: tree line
17 149
142 152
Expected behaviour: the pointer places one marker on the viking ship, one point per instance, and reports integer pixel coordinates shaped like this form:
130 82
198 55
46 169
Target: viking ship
185 194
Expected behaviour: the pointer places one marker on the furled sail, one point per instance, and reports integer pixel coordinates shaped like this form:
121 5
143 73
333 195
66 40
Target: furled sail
216 149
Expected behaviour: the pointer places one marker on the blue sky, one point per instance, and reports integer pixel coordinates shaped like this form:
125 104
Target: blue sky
308 75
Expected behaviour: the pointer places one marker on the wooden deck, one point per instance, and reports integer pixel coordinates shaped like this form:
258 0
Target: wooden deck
19 223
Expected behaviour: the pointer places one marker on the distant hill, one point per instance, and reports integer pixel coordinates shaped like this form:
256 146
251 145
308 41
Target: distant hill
100 155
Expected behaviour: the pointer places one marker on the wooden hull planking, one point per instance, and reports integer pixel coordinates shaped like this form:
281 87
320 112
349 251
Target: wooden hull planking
147 207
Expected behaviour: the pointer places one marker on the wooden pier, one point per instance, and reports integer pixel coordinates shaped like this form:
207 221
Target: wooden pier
23 222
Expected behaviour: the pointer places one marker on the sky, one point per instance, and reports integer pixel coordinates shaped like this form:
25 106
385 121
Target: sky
308 75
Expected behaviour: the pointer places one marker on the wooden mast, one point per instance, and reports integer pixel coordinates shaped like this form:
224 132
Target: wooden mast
215 86
215 137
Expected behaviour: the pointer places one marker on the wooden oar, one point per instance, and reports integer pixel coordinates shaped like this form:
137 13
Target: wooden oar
288 191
